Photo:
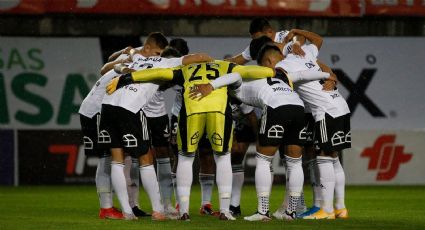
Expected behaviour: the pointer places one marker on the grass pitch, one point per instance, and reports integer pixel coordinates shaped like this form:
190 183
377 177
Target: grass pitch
76 207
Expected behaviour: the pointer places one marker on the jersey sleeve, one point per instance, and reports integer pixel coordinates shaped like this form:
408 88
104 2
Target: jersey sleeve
246 54
312 49
246 109
253 72
165 74
174 62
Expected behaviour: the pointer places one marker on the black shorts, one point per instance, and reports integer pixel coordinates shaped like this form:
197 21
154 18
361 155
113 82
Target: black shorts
160 130
333 134
244 133
120 128
308 133
89 128
282 126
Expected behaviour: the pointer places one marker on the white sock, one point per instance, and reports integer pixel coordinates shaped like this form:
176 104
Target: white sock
119 185
174 180
339 184
238 179
224 180
327 182
294 181
164 179
184 182
263 182
103 182
315 182
207 184
135 183
150 184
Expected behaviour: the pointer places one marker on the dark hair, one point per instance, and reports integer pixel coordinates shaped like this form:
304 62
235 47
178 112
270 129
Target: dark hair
170 52
180 45
258 25
266 48
256 44
158 39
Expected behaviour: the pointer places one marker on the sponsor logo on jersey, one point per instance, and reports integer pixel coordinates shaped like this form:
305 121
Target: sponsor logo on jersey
282 89
386 157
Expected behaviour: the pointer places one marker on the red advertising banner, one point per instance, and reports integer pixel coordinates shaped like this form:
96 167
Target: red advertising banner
327 8
395 7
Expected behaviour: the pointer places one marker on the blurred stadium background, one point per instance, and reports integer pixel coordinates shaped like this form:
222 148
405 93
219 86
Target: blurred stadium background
51 52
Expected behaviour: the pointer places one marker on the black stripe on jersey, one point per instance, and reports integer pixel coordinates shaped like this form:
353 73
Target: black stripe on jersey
178 77
228 122
231 66
183 126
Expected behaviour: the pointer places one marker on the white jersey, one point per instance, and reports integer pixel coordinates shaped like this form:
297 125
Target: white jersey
279 37
315 98
271 92
134 96
156 106
177 105
92 104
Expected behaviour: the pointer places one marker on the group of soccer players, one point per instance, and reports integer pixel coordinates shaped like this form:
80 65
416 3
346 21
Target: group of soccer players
213 115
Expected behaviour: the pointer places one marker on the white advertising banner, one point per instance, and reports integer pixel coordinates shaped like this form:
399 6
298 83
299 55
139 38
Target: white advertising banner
43 80
382 157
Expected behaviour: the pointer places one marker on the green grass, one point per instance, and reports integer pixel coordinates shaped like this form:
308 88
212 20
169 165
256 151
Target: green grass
69 207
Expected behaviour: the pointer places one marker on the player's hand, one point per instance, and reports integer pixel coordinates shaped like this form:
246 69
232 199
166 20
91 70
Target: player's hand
296 49
197 92
127 50
289 37
118 82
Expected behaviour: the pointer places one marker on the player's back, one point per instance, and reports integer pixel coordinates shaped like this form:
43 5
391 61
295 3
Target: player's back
202 73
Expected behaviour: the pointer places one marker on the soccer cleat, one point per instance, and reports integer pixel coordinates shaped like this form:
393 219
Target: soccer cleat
110 213
226 216
319 215
311 211
158 216
341 213
139 213
129 216
284 215
206 209
258 217
235 211
185 217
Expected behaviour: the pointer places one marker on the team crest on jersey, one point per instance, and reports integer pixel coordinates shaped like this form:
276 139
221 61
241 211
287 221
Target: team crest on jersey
88 143
195 138
276 131
166 131
216 139
104 137
129 140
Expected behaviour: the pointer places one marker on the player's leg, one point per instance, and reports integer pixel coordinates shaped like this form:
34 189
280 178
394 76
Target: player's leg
132 175
269 138
220 133
190 130
175 153
110 135
332 135
206 176
89 127
160 130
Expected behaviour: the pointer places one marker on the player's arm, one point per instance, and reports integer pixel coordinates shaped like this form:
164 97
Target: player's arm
308 75
116 54
196 58
314 38
238 59
232 80
331 82
146 75
253 71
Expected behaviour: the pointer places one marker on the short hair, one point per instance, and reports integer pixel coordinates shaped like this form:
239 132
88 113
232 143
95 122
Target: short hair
170 52
180 44
265 49
259 25
256 44
158 39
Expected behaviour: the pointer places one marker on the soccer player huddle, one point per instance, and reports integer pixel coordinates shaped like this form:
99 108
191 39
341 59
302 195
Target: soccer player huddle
124 122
